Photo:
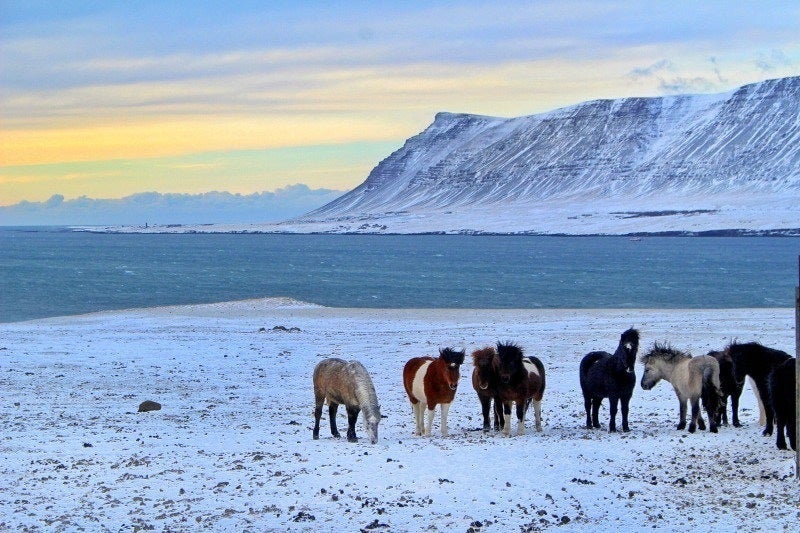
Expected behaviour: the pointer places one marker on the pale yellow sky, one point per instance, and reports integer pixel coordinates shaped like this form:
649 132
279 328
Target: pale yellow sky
87 109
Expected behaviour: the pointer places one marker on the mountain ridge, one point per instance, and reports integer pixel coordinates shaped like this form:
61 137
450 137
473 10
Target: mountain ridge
740 142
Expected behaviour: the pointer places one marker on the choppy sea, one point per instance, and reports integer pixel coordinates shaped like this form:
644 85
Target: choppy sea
47 271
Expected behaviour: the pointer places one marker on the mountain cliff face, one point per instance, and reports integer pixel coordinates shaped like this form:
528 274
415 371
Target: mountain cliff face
676 152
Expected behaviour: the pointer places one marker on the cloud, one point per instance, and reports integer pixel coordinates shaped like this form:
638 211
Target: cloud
156 208
651 70
772 61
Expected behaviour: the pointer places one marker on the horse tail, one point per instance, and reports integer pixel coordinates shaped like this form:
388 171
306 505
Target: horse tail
588 362
711 394
762 413
540 368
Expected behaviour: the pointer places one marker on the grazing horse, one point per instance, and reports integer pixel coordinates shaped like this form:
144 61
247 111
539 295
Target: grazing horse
429 382
603 375
522 381
339 382
692 378
757 361
485 382
782 390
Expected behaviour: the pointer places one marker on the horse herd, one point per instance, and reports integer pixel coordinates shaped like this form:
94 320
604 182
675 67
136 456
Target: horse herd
503 377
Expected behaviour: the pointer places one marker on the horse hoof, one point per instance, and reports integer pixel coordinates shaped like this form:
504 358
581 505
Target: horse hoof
316 437
626 430
714 430
737 424
692 429
352 439
767 432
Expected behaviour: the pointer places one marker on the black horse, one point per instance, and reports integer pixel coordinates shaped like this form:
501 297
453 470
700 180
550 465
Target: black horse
757 361
729 387
603 375
782 390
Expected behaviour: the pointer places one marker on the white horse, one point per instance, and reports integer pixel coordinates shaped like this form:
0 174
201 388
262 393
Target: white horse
692 378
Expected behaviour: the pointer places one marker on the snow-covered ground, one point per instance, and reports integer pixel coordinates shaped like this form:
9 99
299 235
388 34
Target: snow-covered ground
231 449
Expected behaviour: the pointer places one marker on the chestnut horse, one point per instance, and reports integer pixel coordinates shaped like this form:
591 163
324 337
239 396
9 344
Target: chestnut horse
485 381
430 382
521 381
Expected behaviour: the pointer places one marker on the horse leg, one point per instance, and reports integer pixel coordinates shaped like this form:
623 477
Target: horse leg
735 406
521 408
780 441
724 413
317 416
537 413
587 404
332 407
768 411
429 426
419 418
507 418
612 413
681 413
499 420
596 412
485 406
695 415
625 401
445 408
352 416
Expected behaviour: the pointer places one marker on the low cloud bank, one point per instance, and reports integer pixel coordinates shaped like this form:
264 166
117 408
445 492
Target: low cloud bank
156 208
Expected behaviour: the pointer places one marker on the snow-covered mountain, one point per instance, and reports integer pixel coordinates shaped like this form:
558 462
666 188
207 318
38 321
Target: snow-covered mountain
678 163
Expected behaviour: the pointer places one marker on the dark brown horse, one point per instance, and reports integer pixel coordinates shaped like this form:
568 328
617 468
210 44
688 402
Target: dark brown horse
603 375
339 382
430 382
729 388
757 361
782 393
485 381
522 382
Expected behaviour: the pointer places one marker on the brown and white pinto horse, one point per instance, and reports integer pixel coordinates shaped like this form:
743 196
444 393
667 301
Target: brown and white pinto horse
430 382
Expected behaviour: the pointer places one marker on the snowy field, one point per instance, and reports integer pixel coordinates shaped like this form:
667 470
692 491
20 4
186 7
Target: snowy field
231 449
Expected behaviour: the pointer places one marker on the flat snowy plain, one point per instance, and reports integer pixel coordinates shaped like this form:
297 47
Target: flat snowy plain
231 449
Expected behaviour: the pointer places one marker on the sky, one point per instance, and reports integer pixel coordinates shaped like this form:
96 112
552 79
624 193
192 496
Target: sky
106 99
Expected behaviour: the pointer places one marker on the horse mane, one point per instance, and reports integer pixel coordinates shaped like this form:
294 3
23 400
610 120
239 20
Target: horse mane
364 389
664 352
483 356
452 356
508 350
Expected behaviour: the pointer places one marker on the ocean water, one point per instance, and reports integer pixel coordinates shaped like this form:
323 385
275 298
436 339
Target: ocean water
52 271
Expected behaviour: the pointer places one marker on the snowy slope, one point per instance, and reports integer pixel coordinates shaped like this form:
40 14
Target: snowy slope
735 154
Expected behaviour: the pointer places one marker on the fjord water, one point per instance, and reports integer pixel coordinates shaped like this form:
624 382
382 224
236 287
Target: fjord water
52 272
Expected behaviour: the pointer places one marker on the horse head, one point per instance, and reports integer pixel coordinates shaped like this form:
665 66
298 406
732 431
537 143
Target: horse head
509 358
371 420
733 352
658 364
483 360
627 349
453 360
